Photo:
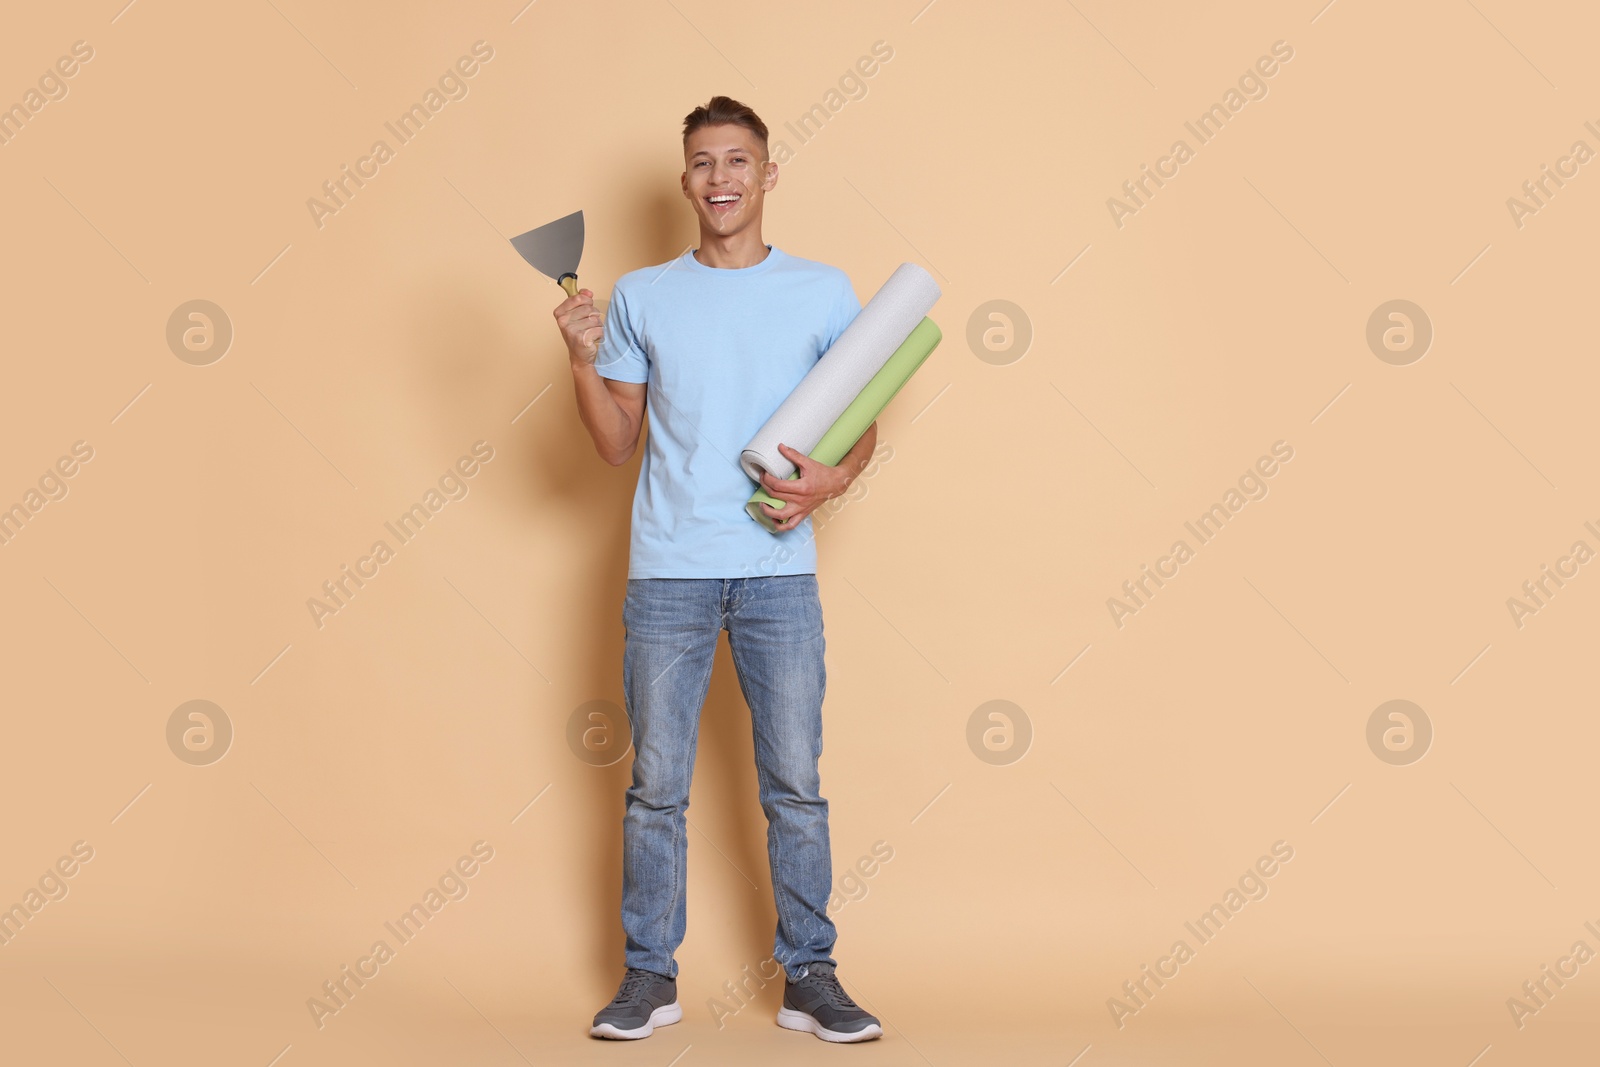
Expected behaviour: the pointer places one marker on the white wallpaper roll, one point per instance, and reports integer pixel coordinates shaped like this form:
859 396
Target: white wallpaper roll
843 371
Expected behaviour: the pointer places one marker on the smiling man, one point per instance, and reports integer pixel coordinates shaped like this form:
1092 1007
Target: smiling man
712 342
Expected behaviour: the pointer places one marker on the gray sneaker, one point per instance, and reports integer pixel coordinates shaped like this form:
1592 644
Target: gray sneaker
819 1004
644 1001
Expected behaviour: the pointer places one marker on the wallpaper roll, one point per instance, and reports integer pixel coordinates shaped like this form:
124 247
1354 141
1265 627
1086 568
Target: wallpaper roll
843 372
842 436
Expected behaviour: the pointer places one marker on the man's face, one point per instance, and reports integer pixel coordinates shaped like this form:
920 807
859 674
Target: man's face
726 177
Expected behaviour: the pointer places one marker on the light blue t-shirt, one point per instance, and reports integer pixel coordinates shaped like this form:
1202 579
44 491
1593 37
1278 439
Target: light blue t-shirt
721 349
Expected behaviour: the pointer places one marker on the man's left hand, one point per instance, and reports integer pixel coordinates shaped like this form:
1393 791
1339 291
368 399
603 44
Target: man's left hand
817 484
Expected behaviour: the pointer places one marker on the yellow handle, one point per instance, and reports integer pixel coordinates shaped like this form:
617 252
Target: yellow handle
569 282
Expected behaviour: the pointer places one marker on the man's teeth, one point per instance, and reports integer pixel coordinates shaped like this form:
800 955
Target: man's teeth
723 199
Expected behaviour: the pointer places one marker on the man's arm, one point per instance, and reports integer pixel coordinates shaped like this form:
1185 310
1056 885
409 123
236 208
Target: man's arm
612 411
855 461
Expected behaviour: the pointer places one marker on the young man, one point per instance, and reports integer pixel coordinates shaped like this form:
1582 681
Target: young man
714 341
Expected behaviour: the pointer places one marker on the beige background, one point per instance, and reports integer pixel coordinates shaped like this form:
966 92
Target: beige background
1167 355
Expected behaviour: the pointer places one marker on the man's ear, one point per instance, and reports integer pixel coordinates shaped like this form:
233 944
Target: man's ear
771 178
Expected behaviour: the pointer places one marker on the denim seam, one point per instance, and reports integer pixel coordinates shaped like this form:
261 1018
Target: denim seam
775 854
807 930
678 881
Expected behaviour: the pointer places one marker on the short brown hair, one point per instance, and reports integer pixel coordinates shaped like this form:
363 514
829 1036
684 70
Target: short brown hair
725 110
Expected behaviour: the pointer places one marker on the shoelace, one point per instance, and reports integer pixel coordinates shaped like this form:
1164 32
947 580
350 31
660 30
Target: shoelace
832 991
633 986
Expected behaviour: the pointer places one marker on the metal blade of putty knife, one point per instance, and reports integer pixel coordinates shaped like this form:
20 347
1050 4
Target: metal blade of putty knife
554 249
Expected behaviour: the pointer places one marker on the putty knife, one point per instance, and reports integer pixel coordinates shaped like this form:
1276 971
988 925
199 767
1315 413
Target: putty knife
554 249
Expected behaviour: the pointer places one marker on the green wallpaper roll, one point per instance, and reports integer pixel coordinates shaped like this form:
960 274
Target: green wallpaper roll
867 406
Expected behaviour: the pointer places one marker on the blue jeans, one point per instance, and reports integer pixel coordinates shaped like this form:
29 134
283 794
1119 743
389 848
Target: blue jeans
774 626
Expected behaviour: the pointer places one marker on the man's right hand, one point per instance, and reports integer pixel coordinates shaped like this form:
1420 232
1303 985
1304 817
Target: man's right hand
582 326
